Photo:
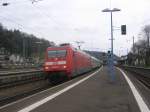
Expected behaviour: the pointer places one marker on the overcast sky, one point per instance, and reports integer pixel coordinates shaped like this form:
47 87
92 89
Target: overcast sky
78 20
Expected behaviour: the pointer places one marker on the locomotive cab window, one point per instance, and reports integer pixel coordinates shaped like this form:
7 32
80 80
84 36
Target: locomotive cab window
57 53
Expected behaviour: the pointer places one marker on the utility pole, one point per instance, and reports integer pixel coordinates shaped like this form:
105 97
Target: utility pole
148 50
39 49
133 46
148 41
24 49
112 38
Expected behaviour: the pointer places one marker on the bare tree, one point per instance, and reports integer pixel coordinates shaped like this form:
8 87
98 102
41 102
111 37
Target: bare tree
146 31
140 54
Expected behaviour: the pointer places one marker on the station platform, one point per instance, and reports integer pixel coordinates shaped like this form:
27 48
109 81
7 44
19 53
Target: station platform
97 93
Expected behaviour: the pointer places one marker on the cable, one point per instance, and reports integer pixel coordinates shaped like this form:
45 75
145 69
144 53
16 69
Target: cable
52 19
42 13
21 26
49 17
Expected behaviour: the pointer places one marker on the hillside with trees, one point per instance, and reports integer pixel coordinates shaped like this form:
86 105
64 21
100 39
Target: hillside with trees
15 42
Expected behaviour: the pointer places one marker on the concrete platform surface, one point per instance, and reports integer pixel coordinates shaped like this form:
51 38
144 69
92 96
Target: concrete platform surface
96 94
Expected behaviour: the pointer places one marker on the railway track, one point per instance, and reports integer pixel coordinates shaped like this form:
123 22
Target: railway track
22 91
30 89
14 85
16 78
142 74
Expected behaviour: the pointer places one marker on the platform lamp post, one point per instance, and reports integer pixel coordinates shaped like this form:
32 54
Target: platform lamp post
111 60
111 11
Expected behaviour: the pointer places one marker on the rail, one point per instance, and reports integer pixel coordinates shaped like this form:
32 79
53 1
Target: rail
142 74
10 79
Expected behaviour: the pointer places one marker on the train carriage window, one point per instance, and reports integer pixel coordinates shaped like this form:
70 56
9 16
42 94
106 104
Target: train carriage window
51 54
57 53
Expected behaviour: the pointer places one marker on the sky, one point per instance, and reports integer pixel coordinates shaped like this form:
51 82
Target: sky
68 21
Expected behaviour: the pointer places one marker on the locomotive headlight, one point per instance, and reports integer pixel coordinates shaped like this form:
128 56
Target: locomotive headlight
46 67
64 66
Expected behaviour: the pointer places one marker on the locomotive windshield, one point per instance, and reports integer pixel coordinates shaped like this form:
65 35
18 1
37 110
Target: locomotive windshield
57 53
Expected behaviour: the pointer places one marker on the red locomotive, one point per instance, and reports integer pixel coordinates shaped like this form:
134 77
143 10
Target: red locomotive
66 62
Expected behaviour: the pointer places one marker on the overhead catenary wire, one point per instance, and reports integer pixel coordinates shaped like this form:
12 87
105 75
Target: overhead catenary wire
21 27
50 18
59 26
42 13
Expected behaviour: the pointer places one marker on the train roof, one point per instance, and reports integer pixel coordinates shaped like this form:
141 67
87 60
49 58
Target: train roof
65 46
61 46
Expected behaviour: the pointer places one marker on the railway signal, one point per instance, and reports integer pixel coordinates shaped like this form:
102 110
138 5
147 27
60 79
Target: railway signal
123 29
